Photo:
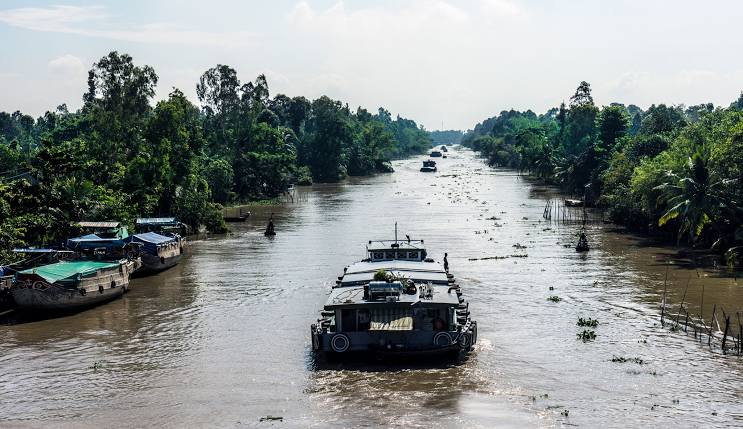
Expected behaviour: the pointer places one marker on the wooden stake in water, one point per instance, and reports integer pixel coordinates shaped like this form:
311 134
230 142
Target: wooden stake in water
678 315
663 302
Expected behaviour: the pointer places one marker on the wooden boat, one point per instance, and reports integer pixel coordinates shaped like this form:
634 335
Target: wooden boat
235 214
429 166
104 229
397 301
6 296
71 285
159 251
435 154
161 243
160 225
582 245
270 228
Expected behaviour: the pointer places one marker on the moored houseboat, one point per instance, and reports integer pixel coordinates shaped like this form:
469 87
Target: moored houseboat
162 243
100 274
105 229
397 300
160 225
6 297
71 285
159 251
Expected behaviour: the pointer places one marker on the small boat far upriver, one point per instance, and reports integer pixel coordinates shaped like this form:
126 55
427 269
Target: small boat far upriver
429 166
435 154
396 301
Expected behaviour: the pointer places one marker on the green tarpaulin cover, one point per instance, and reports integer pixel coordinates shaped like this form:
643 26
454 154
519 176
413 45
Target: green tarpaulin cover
62 270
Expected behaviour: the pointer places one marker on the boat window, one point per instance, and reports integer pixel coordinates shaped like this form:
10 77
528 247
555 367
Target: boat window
348 320
363 320
401 255
430 319
378 255
412 255
389 255
391 319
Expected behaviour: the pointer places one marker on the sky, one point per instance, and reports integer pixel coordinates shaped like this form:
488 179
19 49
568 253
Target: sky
443 63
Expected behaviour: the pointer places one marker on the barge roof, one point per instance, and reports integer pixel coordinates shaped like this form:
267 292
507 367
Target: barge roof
61 270
362 272
347 297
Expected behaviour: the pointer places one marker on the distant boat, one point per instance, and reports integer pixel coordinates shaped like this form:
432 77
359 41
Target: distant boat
429 166
444 148
582 245
235 214
573 203
435 154
71 285
270 228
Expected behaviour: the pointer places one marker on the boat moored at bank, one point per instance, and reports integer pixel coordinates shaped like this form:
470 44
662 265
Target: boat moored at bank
397 300
159 251
100 272
71 285
161 243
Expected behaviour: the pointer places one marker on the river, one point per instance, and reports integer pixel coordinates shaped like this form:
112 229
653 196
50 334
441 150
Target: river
222 339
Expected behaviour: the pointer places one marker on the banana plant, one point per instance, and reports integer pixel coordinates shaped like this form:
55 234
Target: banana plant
694 198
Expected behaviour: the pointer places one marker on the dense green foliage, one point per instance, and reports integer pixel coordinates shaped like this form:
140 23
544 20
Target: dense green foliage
672 170
119 157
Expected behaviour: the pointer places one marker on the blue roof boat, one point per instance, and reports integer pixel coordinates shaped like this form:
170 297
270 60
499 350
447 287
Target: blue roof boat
159 251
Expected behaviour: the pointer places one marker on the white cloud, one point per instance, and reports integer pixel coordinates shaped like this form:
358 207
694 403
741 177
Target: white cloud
58 19
683 87
459 61
67 66
500 7
426 55
94 21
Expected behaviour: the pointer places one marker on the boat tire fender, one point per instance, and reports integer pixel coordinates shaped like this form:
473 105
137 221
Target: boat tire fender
100 288
442 339
465 340
83 292
340 343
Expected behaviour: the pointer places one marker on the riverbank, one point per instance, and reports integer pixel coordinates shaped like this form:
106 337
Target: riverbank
695 281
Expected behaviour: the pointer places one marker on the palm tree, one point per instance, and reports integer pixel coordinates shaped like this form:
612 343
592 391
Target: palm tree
694 200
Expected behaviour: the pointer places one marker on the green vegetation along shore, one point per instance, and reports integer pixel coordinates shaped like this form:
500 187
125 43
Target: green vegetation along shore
672 171
119 157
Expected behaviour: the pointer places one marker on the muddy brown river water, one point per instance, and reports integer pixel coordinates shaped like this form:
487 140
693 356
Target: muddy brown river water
222 339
